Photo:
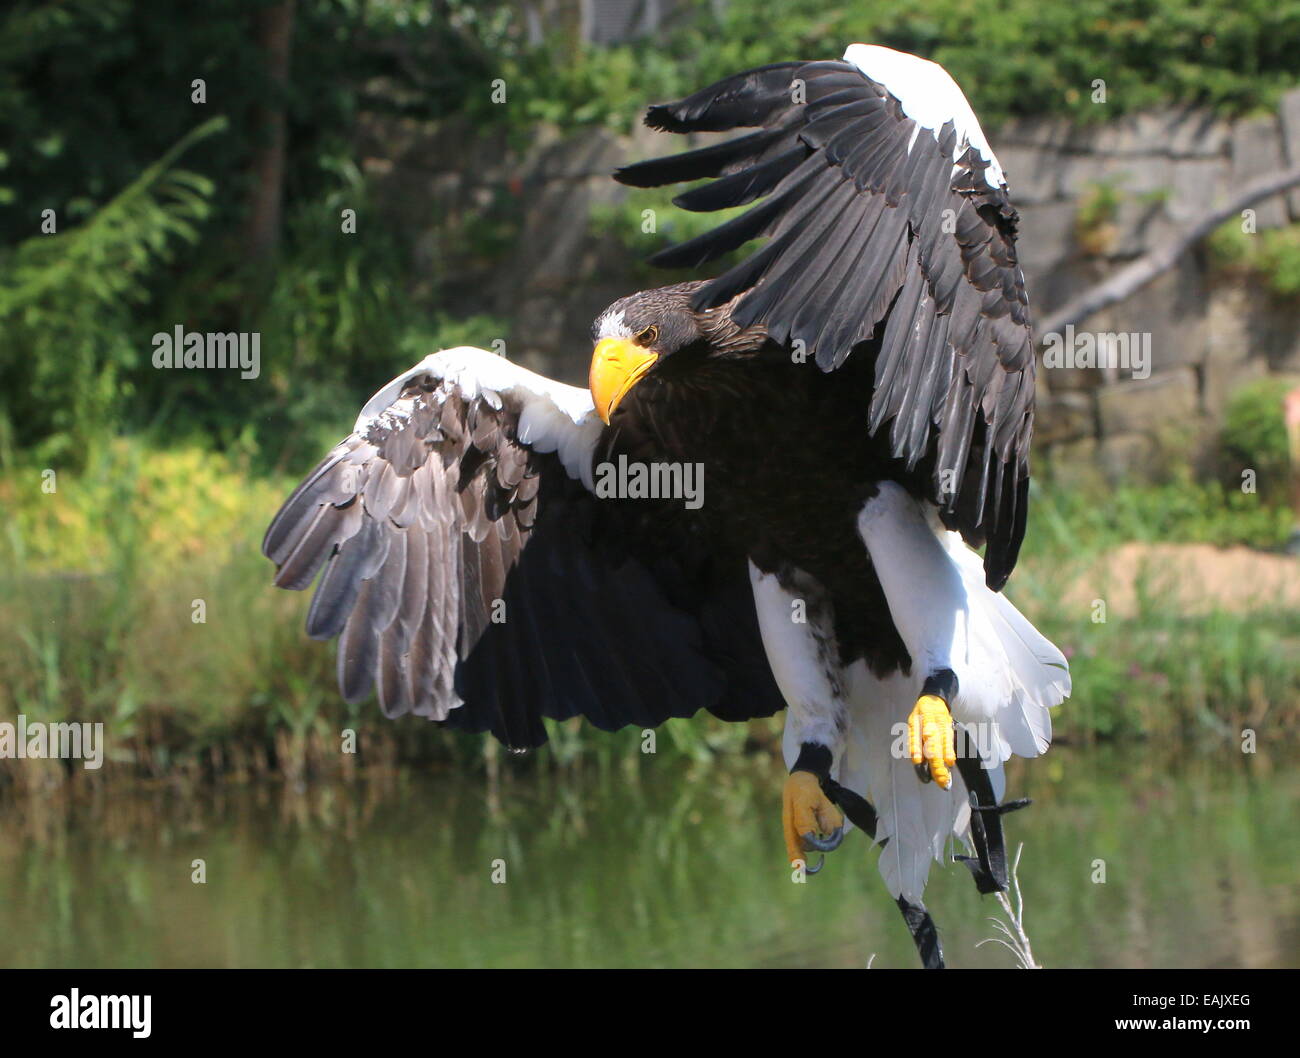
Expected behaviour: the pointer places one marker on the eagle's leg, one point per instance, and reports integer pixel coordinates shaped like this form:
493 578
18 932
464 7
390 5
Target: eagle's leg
807 812
930 731
797 624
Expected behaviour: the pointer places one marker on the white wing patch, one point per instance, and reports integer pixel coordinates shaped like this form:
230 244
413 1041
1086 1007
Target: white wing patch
553 417
929 96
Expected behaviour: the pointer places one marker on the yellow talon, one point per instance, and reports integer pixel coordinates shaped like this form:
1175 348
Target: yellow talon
930 738
806 810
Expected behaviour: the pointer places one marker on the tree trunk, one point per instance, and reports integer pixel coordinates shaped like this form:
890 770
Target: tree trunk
274 28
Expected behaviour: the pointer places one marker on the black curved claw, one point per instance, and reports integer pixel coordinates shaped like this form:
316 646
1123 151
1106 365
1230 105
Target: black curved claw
809 869
827 844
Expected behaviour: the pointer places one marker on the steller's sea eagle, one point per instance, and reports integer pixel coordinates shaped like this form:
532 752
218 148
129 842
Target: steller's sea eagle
858 394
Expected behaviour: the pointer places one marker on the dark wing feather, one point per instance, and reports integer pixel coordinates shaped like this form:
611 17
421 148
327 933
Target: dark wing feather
875 233
472 581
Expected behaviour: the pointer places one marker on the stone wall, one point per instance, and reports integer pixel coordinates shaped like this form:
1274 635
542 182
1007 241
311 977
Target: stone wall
1209 331
552 271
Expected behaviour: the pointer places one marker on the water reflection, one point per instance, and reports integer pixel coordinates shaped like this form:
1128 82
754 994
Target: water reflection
676 864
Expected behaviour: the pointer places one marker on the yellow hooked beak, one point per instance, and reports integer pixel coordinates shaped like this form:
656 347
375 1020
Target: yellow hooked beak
617 365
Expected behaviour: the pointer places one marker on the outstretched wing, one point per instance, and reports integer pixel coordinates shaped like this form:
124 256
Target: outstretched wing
888 221
473 577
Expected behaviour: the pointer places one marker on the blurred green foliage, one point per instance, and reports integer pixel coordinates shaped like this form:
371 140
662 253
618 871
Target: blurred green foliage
1271 256
1254 433
66 301
1011 57
91 91
95 109
1094 221
1186 509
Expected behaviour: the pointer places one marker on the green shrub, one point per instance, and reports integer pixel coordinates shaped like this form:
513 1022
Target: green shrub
1253 435
1068 521
65 307
1271 257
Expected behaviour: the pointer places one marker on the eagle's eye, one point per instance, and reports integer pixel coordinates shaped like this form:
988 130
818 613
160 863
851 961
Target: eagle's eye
649 336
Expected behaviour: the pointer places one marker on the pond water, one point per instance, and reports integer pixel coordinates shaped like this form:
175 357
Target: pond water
677 864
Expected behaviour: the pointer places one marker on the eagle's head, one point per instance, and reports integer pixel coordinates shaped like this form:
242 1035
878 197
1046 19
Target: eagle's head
636 335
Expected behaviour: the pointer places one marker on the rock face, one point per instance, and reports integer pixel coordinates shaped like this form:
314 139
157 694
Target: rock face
1093 198
521 231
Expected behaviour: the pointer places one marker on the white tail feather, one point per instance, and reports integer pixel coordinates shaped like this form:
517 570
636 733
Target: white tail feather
1034 675
915 818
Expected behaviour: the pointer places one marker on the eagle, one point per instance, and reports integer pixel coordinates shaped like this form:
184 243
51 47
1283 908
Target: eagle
769 496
